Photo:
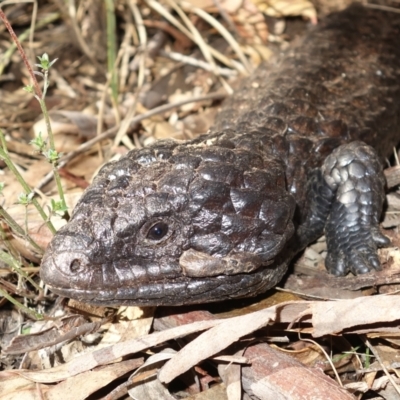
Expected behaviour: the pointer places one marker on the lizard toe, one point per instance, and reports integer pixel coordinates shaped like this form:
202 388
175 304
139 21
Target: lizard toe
380 239
336 264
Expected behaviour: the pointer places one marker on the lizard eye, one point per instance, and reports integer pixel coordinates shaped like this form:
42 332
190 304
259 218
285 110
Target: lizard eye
157 231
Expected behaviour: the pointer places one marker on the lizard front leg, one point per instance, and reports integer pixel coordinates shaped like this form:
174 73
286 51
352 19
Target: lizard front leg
345 198
354 173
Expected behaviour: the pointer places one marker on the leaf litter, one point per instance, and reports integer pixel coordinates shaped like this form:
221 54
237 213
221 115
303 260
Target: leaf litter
179 51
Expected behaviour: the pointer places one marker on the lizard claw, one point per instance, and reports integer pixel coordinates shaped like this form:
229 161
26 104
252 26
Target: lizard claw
358 255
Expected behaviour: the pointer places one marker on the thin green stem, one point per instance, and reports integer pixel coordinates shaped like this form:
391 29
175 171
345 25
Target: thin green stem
52 147
45 112
6 158
33 314
22 52
40 96
13 263
17 229
24 35
59 186
111 47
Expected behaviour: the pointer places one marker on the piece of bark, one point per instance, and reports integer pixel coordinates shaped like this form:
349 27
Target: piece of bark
274 375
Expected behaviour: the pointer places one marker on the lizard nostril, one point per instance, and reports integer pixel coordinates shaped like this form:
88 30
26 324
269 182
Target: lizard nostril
71 265
75 265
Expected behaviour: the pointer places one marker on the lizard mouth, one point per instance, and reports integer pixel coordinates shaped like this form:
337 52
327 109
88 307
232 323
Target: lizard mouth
73 276
180 291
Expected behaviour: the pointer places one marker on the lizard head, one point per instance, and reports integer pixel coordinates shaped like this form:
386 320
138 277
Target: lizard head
175 224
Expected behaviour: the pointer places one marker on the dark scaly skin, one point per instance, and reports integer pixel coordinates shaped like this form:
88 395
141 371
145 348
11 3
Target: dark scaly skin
221 216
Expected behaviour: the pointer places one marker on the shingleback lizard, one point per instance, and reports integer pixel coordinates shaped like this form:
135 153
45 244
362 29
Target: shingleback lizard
221 216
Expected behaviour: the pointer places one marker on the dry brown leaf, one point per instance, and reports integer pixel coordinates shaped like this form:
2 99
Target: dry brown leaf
69 129
215 340
37 228
329 317
333 317
133 322
67 329
158 128
309 354
12 187
81 386
83 124
244 14
326 286
392 175
231 375
230 6
216 392
65 135
91 310
109 354
15 387
203 4
288 8
388 356
197 124
149 387
250 22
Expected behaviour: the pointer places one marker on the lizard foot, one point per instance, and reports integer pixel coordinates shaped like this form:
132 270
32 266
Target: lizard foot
356 252
353 171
